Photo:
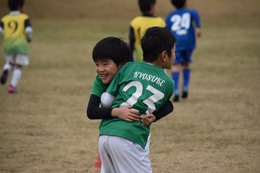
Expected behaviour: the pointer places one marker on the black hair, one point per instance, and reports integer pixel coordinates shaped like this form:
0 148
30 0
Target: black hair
112 48
178 3
14 4
155 41
145 5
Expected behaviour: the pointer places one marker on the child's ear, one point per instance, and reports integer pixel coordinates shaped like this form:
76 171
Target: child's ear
164 55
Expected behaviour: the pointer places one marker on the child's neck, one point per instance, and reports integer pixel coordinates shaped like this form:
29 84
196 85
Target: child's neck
149 14
21 9
155 63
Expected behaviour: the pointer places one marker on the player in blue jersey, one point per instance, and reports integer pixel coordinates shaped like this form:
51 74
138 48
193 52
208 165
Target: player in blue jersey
184 23
16 30
140 24
109 55
145 87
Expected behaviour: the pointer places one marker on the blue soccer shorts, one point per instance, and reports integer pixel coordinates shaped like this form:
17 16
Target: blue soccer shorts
183 56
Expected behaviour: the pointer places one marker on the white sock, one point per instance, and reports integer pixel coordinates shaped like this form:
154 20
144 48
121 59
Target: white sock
7 66
16 76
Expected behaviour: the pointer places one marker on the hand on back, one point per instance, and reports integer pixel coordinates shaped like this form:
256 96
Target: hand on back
126 113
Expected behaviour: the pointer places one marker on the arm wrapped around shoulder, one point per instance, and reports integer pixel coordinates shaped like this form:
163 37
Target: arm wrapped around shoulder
96 112
164 110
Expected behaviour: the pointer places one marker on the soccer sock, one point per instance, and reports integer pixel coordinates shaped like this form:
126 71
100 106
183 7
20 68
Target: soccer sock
175 77
7 66
186 79
16 76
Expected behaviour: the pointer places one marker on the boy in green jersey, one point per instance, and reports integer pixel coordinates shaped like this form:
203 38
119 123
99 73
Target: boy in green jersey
145 87
109 55
16 30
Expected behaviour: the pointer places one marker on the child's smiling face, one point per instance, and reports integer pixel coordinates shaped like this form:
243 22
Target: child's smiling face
106 69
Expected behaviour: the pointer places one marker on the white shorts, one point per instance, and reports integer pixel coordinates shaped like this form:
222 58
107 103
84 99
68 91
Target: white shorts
18 59
119 155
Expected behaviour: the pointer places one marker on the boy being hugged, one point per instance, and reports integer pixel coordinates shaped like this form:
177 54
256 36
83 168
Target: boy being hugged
16 30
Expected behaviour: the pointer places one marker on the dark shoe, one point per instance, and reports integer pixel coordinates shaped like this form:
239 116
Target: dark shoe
12 89
176 98
4 77
184 94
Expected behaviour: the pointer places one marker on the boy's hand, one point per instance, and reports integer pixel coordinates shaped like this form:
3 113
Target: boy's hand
148 119
198 32
126 113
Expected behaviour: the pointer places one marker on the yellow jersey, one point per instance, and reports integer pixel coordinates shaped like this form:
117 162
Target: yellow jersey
15 40
139 25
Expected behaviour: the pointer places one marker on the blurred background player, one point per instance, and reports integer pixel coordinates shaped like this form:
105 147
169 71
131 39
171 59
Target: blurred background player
184 23
140 24
16 30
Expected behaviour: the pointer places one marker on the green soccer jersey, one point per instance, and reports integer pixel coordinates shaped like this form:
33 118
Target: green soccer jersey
98 87
143 86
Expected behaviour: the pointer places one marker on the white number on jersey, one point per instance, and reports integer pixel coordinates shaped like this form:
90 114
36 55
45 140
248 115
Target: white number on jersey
150 101
180 24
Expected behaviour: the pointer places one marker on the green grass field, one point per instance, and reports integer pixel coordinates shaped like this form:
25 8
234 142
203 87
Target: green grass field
44 127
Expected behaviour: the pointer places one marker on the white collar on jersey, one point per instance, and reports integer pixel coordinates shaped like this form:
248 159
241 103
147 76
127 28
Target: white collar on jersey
15 12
